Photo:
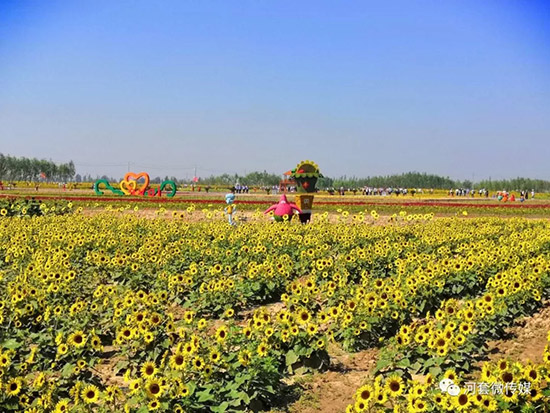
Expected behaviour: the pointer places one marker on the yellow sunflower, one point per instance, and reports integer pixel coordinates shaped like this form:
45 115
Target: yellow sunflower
90 394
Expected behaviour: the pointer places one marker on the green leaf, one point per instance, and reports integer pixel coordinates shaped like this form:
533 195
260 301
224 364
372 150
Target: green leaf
438 361
233 386
192 387
122 364
244 397
235 402
67 370
435 371
11 344
204 396
240 379
416 366
382 363
291 358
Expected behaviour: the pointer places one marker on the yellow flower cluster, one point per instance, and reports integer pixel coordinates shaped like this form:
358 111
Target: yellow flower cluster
502 386
177 309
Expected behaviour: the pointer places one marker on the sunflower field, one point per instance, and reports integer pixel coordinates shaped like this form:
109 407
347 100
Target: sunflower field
116 312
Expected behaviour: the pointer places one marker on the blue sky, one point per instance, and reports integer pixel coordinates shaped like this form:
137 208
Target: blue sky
458 88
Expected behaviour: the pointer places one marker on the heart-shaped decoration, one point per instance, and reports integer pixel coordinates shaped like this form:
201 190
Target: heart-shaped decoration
135 177
305 185
128 187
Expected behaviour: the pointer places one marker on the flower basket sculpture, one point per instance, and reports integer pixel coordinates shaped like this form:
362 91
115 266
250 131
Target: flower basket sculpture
306 175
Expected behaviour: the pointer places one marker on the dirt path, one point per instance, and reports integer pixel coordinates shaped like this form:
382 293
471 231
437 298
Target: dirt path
199 215
331 391
105 370
527 341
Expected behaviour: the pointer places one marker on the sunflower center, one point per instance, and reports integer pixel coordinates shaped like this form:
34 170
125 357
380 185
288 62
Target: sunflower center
507 377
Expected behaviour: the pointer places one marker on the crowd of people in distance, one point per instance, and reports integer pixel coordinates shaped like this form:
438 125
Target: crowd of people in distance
241 189
458 192
500 195
468 192
390 191
275 189
367 190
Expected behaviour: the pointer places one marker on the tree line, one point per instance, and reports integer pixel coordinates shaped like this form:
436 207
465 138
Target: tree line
539 185
31 169
251 179
405 180
427 181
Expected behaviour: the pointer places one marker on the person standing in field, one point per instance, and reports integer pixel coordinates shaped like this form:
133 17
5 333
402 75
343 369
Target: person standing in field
230 208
